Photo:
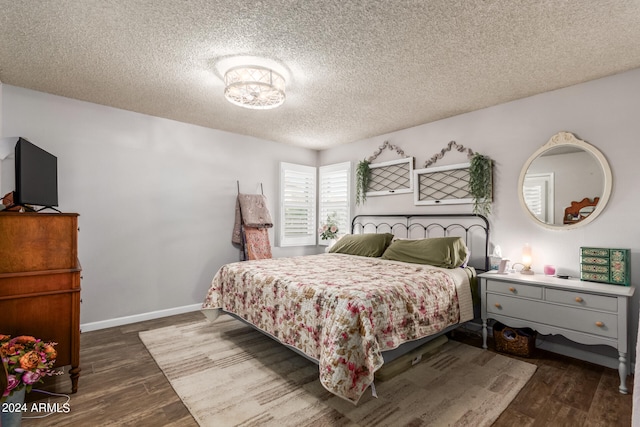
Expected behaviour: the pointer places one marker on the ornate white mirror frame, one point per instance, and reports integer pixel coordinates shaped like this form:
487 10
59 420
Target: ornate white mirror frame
568 140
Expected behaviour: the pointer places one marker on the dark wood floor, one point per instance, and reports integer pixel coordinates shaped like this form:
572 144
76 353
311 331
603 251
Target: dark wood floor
120 385
565 392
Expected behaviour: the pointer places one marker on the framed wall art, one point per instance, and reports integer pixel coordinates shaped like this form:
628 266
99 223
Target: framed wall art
392 177
442 185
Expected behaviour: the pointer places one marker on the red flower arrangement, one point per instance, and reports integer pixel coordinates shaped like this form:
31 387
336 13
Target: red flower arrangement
27 361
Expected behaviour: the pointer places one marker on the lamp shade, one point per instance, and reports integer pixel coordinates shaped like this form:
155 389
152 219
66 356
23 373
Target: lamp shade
526 255
254 87
526 260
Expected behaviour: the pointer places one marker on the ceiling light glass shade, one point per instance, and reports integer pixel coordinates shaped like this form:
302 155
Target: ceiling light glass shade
254 87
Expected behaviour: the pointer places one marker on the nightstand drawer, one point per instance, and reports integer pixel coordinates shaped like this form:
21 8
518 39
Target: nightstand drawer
577 319
515 289
580 299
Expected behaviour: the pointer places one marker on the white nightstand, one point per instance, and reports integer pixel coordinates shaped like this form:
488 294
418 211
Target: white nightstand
584 312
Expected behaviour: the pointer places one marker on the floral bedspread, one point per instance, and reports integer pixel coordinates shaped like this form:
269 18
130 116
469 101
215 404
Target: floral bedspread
343 310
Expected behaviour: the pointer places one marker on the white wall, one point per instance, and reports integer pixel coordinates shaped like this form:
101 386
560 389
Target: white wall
602 112
7 165
156 197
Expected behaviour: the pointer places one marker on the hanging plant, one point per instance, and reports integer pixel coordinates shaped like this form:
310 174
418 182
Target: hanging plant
481 183
363 174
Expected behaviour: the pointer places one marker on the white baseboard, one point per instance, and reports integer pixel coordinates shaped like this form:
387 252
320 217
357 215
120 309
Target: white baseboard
119 321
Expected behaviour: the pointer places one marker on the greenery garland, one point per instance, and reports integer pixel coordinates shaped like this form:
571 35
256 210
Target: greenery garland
481 183
363 175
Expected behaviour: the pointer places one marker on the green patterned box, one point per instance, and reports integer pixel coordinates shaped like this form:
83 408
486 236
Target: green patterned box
605 265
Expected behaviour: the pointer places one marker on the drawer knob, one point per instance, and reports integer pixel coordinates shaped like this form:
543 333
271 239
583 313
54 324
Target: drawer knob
578 299
512 289
599 324
498 305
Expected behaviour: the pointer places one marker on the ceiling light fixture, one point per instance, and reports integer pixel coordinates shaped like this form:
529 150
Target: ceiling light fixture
254 87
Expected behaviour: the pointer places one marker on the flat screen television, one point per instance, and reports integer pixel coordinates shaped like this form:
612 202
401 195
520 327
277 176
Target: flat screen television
36 176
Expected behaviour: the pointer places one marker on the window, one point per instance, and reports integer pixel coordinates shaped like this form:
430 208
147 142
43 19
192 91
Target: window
334 188
297 205
538 195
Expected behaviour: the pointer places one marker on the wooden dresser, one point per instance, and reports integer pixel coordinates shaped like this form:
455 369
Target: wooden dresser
40 282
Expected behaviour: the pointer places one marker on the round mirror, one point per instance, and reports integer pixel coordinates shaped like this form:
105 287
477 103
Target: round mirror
565 184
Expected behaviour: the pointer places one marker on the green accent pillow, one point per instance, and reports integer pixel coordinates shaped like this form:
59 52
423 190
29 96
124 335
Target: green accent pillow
369 244
446 252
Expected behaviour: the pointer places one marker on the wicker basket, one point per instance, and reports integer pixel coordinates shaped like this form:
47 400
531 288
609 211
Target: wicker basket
519 342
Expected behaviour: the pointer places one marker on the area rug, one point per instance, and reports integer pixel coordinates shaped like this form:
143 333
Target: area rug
228 374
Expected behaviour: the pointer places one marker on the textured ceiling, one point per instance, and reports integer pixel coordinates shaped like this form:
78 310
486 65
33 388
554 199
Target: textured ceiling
355 69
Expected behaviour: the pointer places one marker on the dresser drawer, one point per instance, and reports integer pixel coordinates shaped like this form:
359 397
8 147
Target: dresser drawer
586 274
605 265
517 289
580 299
14 285
577 319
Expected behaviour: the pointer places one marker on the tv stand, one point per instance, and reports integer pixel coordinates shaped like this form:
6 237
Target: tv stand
47 207
28 208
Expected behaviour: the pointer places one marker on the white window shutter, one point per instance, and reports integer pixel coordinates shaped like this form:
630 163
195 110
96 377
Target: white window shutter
334 195
537 191
533 197
297 205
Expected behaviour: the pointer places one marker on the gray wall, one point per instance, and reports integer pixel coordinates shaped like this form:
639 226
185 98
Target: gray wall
602 112
156 197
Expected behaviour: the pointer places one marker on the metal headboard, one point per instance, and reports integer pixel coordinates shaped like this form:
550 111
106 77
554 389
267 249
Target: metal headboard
473 229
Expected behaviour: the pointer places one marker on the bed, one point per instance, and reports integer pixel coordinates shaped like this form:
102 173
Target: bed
395 283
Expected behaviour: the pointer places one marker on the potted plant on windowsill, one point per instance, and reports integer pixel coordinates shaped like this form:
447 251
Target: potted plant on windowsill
481 183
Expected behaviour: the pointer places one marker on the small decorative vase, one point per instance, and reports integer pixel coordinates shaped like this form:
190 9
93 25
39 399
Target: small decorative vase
11 415
330 243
